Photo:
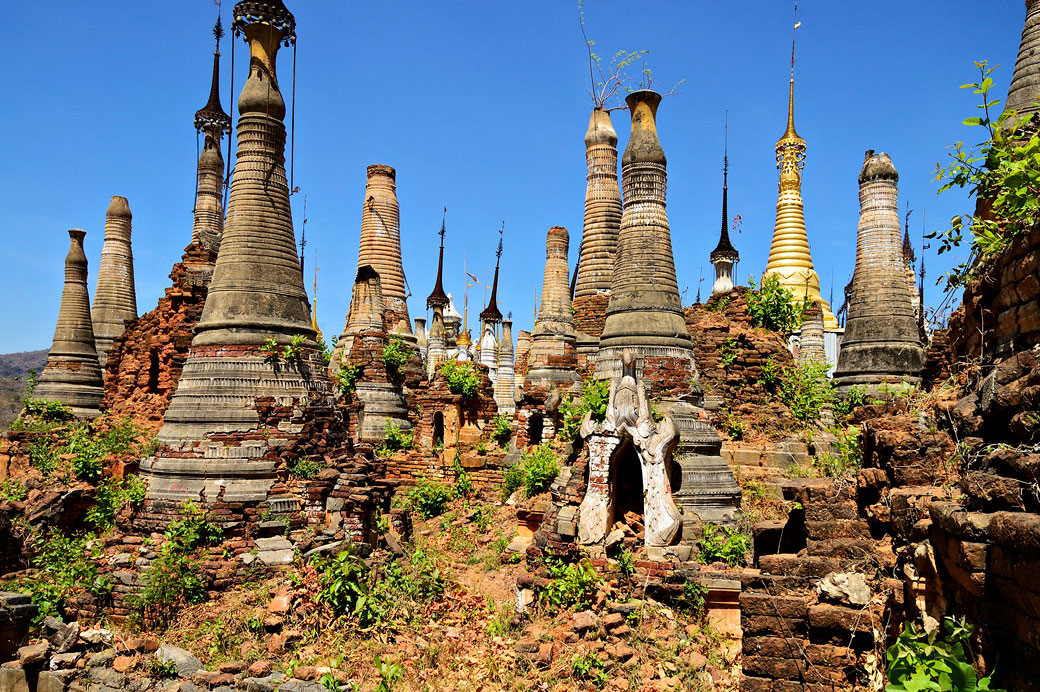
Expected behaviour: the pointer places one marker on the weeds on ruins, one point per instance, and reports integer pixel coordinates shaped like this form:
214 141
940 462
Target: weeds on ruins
1003 169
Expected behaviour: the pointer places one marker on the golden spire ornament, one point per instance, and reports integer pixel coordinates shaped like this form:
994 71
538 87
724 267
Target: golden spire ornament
789 256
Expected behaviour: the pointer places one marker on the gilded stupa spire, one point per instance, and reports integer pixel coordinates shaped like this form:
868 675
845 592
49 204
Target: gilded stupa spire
789 256
314 303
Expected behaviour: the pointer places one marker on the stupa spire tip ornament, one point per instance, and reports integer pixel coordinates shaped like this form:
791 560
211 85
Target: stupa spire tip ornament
789 256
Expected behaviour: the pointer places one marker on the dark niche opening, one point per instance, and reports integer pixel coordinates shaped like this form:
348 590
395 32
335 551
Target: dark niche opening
438 429
627 500
153 372
534 429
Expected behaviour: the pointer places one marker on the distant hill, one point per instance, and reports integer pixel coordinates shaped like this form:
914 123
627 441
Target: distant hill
18 364
14 373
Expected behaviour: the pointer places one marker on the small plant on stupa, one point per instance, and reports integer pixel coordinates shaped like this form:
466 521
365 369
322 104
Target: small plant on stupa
774 307
395 439
395 354
461 377
537 469
612 77
501 429
348 375
723 544
594 397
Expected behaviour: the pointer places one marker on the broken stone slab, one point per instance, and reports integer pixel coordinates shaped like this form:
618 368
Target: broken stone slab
55 681
584 621
106 677
845 587
64 661
294 685
97 636
185 662
265 684
34 655
62 637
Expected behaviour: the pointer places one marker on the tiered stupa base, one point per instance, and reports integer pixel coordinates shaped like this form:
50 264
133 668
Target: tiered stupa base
239 417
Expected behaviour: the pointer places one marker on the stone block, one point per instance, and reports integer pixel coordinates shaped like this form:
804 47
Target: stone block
824 530
780 606
832 617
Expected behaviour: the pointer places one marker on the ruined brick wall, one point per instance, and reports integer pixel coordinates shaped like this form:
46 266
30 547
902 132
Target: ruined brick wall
465 424
729 331
590 312
798 636
145 362
1000 310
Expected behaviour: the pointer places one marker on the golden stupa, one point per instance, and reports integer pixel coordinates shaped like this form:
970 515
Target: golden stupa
789 256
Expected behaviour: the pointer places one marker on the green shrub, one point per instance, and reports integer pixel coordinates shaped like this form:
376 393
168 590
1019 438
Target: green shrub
348 375
693 598
13 490
626 562
729 545
719 304
806 390
395 439
42 457
419 580
463 483
461 376
65 566
344 583
395 354
771 374
571 585
161 669
594 397
389 673
855 397
587 666
940 661
501 429
304 468
537 469
774 307
111 496
728 353
428 498
175 578
49 411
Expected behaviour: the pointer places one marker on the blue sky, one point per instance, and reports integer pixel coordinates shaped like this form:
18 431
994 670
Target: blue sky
482 108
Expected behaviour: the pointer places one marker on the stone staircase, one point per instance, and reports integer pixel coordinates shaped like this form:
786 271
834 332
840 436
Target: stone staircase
765 463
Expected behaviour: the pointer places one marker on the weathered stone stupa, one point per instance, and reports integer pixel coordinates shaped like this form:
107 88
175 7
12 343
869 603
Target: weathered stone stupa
645 318
213 123
789 256
599 236
1024 90
552 360
381 243
505 385
240 410
724 257
365 314
115 299
72 375
145 363
645 312
881 343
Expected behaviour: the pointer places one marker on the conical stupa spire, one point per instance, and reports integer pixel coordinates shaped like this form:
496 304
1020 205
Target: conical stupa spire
881 342
72 375
437 296
209 447
789 256
491 313
214 123
724 256
381 239
115 298
1024 90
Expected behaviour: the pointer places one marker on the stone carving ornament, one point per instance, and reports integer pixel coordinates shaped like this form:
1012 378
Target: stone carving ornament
629 416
